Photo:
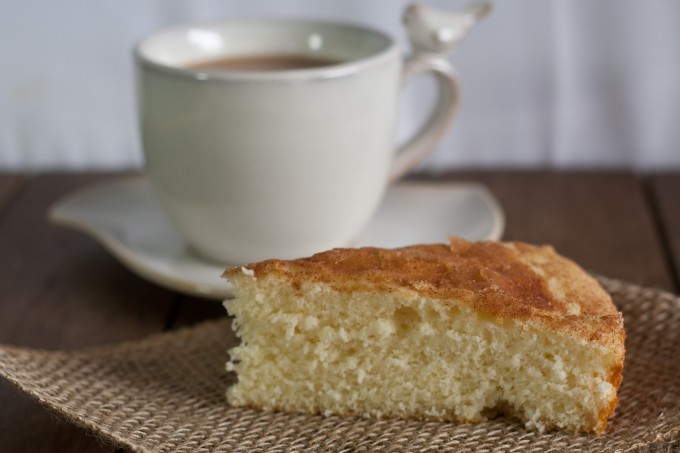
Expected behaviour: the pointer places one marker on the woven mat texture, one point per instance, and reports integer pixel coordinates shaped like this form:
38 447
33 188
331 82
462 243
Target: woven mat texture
166 393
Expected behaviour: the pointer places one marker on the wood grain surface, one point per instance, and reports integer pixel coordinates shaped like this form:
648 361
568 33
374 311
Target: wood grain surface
59 289
665 201
9 186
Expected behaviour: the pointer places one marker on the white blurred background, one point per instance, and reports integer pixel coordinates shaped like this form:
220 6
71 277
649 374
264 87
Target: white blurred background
546 83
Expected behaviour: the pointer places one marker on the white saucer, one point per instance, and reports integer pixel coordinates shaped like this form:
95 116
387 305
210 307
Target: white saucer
125 218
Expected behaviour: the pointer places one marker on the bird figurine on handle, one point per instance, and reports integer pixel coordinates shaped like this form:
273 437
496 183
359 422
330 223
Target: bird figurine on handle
435 31
433 35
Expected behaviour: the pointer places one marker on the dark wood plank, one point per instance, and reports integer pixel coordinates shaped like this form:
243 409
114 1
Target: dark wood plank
192 310
28 427
599 219
9 186
665 197
60 290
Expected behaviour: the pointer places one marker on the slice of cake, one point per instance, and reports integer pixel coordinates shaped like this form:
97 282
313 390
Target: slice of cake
457 332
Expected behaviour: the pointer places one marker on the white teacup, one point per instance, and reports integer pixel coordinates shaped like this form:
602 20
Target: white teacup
255 164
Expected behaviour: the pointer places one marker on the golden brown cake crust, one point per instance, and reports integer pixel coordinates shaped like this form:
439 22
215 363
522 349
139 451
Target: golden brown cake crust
511 280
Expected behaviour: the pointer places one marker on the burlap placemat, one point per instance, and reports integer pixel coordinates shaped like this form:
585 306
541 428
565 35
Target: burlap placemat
166 393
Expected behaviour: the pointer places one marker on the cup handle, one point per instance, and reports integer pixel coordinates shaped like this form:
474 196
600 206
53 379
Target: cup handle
433 35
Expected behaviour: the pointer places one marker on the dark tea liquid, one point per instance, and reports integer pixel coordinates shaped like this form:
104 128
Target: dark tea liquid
263 63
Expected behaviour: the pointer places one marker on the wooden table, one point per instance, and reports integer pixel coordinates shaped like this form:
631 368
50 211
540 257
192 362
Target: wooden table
60 289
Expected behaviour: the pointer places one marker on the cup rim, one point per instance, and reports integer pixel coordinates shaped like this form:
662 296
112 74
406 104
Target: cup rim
342 69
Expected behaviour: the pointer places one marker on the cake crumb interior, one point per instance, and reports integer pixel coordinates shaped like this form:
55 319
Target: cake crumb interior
305 348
